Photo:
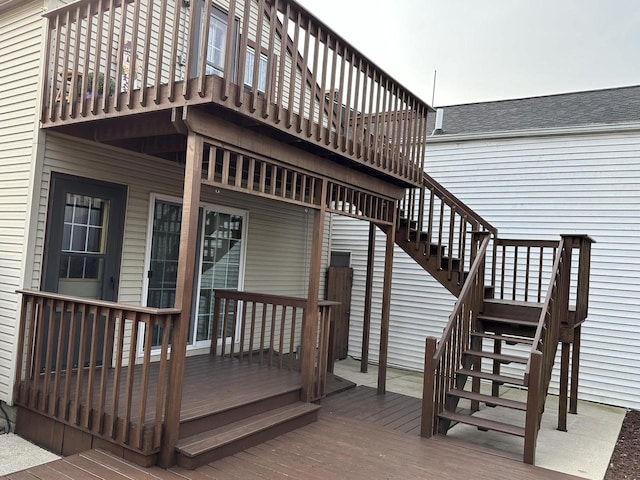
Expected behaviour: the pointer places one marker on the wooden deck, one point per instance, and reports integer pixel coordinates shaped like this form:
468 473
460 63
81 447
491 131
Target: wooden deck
359 436
211 385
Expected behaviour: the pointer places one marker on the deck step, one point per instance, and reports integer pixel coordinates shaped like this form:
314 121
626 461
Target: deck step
483 423
508 339
491 376
488 399
502 358
507 321
205 418
206 447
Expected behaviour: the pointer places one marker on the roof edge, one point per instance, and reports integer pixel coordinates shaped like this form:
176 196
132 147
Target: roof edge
536 132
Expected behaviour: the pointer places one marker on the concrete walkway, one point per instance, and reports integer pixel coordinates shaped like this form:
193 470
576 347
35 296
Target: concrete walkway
584 450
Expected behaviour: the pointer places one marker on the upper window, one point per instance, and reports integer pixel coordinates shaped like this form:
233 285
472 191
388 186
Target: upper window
216 42
262 70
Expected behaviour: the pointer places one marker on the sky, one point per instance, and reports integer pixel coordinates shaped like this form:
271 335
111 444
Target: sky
493 49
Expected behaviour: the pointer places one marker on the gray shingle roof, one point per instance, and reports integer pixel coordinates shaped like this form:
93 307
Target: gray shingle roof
595 107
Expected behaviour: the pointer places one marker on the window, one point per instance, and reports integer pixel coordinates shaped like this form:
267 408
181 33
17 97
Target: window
262 70
216 42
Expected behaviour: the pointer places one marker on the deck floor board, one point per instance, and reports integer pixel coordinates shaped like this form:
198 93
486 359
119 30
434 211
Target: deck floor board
337 446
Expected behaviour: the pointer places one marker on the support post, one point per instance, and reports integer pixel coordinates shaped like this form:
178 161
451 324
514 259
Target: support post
386 306
366 328
564 382
310 324
426 424
575 368
184 291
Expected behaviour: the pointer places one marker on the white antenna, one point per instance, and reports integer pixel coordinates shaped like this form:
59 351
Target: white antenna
433 94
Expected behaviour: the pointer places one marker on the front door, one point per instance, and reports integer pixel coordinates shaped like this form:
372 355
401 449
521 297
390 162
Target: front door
84 237
83 246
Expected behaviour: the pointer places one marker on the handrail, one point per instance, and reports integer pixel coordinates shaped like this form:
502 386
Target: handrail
442 362
461 207
266 329
65 345
282 67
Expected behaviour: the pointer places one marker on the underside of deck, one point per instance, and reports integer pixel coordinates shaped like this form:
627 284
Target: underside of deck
359 436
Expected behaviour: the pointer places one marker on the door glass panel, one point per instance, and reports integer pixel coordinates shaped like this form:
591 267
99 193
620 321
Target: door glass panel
165 248
219 263
220 267
82 252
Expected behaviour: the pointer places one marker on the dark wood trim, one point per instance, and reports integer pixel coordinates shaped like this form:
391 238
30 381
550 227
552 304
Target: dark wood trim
310 325
184 291
368 289
386 308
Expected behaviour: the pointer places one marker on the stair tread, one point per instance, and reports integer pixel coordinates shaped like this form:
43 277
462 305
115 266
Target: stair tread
484 423
212 439
246 400
504 338
497 356
511 321
520 303
491 376
503 402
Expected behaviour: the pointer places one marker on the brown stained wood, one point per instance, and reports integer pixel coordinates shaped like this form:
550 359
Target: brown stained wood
386 309
310 323
366 329
185 275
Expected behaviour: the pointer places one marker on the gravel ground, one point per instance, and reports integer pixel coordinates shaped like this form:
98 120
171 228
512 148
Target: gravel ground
625 460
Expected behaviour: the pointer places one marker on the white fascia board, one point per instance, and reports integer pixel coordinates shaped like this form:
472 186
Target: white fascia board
537 132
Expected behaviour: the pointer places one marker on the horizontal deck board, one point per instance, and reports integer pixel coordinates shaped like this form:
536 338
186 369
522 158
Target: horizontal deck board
338 446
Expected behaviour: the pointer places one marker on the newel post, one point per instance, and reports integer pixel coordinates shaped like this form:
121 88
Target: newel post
184 290
310 323
428 403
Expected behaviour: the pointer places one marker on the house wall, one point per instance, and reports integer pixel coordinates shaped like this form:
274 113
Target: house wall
534 187
20 31
279 234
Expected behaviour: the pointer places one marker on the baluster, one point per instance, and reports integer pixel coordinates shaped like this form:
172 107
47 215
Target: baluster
331 91
74 94
242 57
253 330
203 49
53 410
125 433
349 106
323 87
314 83
257 56
106 363
263 329
106 84
515 271
230 41
294 318
144 381
283 56
144 81
294 75
64 93
272 333
88 407
133 61
164 13
120 317
120 57
271 59
167 321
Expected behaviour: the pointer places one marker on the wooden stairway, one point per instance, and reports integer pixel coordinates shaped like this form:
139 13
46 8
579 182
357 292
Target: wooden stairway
512 311
500 323
209 434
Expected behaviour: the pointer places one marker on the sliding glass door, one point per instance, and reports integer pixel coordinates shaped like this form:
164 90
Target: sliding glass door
219 262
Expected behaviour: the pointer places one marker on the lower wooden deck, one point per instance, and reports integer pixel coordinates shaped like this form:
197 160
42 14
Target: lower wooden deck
359 436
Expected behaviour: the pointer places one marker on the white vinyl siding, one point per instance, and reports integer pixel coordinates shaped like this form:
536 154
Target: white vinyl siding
420 306
279 235
535 187
20 30
542 187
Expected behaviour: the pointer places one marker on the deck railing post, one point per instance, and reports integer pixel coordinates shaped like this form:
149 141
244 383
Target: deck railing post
186 266
310 324
532 422
426 426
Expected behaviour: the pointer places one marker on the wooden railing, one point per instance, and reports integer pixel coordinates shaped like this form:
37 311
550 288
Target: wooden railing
77 363
521 269
266 329
555 314
442 361
446 223
273 61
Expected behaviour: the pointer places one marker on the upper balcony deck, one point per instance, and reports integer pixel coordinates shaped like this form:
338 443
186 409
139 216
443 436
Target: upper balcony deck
264 64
